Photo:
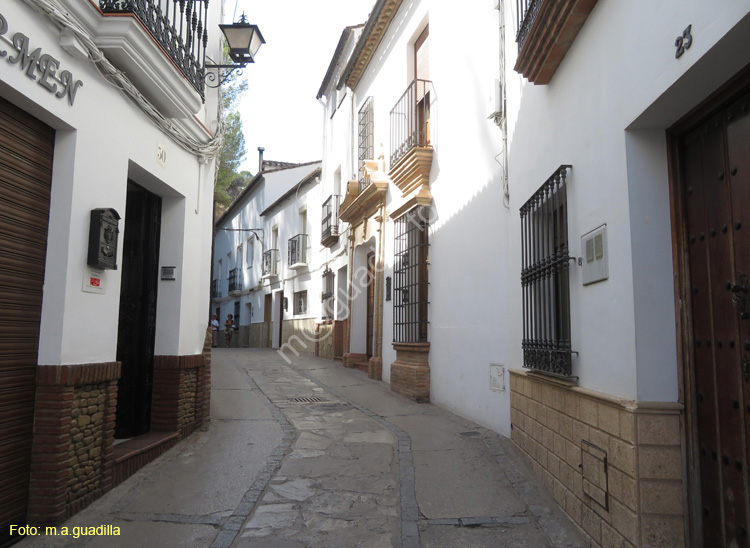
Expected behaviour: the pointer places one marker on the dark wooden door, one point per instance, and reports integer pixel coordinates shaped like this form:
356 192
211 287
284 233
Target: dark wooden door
267 319
370 302
26 149
137 325
715 159
281 316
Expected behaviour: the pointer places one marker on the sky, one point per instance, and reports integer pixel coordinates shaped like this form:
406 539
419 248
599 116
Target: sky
279 111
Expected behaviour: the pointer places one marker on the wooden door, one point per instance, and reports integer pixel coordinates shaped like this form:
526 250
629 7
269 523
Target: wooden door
715 163
370 302
26 150
267 315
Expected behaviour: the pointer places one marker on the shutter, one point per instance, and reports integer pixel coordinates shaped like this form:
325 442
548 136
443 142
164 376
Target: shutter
26 148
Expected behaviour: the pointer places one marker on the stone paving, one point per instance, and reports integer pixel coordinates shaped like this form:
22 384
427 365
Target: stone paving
310 454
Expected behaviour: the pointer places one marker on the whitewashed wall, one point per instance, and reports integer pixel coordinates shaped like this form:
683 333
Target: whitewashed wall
605 112
102 140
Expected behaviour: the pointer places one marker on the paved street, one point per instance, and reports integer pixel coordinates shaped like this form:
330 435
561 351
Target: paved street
314 455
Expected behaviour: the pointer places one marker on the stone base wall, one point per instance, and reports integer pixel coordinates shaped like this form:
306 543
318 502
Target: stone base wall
74 429
178 393
410 373
614 466
325 341
299 334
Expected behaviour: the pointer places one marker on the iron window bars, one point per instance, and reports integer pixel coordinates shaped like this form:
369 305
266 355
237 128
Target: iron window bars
410 281
545 278
328 297
215 289
410 120
298 249
330 224
366 131
527 11
178 26
300 302
270 262
234 282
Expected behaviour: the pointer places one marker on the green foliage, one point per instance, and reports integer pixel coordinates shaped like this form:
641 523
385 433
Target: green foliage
233 152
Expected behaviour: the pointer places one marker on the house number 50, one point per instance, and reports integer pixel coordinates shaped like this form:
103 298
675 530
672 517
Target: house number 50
683 42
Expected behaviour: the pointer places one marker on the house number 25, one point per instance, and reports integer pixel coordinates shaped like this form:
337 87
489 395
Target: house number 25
683 42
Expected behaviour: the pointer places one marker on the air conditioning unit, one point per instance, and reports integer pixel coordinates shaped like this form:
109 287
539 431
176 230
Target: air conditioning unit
496 104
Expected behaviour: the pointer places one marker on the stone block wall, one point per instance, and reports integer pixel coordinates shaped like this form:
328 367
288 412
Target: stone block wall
257 334
299 334
74 429
178 393
325 341
614 466
410 373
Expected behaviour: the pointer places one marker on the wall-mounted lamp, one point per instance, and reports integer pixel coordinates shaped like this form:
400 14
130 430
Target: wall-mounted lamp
244 41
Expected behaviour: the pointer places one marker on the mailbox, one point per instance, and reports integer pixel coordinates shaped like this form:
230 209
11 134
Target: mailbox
103 233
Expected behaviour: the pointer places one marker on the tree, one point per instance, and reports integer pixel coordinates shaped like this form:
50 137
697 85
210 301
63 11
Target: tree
233 151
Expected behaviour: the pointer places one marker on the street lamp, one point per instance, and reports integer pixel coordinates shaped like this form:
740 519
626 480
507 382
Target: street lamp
244 41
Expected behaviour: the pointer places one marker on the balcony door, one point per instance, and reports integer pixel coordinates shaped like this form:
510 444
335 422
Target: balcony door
422 75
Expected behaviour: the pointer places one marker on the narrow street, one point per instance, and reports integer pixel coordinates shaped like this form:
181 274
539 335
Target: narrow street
311 454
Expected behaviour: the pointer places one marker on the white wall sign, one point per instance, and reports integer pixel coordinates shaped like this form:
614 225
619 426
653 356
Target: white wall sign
93 281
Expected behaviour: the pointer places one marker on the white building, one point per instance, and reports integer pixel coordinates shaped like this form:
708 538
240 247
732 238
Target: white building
267 267
647 105
547 256
106 185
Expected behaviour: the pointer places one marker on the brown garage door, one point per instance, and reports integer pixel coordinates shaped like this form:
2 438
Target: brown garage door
26 147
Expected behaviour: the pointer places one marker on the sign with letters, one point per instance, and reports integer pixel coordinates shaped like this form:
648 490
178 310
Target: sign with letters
38 66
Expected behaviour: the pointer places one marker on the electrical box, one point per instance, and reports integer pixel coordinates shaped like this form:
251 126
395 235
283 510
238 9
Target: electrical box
103 232
595 267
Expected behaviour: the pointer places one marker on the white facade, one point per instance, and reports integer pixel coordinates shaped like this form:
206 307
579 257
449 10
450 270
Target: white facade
102 141
280 204
468 222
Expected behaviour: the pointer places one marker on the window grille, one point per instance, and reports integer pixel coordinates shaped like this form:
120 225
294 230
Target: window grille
410 282
366 139
545 278
328 296
300 302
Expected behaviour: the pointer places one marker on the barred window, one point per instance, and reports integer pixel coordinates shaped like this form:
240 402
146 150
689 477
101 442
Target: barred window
328 297
300 302
410 281
545 278
366 130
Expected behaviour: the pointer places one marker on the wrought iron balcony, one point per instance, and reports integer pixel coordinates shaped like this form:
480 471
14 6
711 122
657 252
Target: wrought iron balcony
234 281
527 11
178 26
410 120
298 251
270 263
330 226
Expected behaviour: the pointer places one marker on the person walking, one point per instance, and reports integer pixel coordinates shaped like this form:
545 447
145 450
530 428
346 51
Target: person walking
214 331
228 328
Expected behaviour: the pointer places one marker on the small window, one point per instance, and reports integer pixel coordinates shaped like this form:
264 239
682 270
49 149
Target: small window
545 278
300 303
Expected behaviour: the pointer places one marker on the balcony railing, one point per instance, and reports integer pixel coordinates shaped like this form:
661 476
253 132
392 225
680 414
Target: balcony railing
178 26
298 251
330 225
270 263
527 11
410 120
215 289
234 281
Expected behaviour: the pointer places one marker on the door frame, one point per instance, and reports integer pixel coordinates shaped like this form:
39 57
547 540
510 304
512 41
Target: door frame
720 99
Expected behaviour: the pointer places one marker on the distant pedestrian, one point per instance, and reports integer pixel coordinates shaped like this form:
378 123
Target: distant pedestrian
228 327
214 331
